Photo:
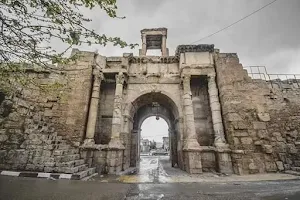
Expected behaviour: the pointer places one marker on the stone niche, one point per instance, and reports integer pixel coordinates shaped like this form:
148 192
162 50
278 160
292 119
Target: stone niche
105 112
202 113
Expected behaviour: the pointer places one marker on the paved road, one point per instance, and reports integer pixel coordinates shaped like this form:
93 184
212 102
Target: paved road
17 188
154 181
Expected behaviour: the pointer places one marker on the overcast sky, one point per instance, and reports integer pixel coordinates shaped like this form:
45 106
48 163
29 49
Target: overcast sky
153 129
270 37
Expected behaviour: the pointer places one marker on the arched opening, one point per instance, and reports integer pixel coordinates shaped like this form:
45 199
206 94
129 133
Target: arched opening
154 137
154 144
157 105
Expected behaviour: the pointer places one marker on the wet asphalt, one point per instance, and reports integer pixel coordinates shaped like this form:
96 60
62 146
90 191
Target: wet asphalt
149 185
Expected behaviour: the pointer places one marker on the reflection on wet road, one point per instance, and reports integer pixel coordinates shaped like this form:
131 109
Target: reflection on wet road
150 170
157 169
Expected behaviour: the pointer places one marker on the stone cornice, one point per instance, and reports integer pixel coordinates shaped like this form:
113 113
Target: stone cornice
154 59
194 48
154 29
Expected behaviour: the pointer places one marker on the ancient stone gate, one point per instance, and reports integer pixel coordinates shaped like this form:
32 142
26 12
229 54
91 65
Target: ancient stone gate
219 118
181 89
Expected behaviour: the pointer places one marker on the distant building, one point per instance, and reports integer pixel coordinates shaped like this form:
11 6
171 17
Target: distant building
166 145
145 145
159 145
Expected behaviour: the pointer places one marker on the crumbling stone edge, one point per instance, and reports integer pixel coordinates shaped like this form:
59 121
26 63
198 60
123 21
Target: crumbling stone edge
40 175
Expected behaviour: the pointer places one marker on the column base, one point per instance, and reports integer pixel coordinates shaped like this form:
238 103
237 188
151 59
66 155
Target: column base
223 157
88 142
116 143
114 161
193 164
190 145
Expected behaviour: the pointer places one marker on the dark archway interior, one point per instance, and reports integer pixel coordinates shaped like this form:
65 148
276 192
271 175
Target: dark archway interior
154 104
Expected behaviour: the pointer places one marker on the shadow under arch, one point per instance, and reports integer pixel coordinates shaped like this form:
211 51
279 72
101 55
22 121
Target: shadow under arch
154 95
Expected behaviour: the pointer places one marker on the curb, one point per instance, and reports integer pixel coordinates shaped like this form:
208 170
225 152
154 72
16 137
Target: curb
40 175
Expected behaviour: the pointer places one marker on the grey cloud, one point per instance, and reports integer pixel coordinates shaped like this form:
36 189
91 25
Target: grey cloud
270 37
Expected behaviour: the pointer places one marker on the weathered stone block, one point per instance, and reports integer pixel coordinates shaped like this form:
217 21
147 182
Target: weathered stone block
259 125
233 117
292 149
241 134
264 117
280 165
293 133
262 134
271 167
3 138
246 140
268 149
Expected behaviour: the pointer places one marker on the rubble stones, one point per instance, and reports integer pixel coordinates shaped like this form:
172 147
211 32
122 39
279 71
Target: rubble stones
259 125
264 117
280 165
268 149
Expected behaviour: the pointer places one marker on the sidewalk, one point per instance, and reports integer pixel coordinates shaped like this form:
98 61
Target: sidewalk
157 169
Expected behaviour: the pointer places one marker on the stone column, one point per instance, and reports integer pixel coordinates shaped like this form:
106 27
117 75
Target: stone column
190 136
115 153
93 109
191 147
222 148
216 112
164 45
143 51
117 113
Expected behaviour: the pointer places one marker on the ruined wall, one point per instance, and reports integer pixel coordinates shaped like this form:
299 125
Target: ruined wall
79 76
30 127
262 124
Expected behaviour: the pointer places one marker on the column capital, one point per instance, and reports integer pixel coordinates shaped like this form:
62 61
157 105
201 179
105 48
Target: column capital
212 76
120 78
98 74
186 79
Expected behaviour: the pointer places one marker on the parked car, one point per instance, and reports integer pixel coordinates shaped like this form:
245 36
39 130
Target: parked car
158 152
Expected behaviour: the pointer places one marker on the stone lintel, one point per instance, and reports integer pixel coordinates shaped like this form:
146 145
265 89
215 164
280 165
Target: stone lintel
155 31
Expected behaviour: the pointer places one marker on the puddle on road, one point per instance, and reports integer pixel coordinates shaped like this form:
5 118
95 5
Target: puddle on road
150 171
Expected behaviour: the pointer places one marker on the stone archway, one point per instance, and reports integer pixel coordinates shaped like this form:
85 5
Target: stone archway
154 104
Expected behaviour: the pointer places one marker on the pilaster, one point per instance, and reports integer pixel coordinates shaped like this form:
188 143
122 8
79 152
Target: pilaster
115 142
93 109
222 148
191 147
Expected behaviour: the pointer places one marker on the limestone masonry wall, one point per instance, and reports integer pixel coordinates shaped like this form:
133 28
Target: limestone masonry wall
31 127
262 123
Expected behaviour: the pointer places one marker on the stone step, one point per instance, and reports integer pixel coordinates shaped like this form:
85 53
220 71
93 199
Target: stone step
72 170
79 162
66 164
63 146
89 177
292 172
73 163
297 169
84 173
72 151
82 167
60 152
67 158
67 170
